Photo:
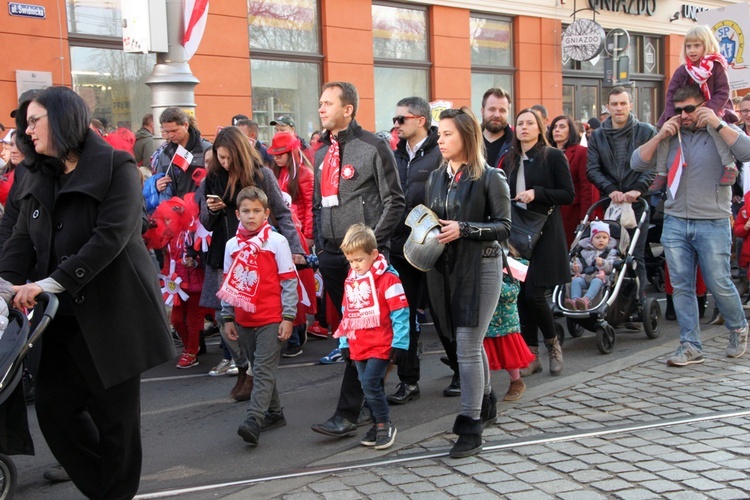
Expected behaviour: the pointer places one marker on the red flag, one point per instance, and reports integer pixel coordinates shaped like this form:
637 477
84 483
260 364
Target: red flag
182 158
195 16
675 172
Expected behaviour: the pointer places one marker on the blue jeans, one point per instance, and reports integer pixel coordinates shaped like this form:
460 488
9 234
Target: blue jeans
578 284
371 373
688 243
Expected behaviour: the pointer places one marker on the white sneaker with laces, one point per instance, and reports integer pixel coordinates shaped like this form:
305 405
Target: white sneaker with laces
221 368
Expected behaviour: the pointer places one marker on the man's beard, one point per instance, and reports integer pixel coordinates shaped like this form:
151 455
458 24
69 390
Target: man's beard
492 127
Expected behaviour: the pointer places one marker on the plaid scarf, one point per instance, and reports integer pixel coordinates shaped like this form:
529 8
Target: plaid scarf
241 282
361 308
701 71
330 178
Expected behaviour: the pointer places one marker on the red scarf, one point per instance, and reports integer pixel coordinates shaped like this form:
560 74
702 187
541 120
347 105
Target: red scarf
702 71
361 308
330 178
239 287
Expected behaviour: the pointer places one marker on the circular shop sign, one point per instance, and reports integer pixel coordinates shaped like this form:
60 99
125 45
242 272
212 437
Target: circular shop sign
583 40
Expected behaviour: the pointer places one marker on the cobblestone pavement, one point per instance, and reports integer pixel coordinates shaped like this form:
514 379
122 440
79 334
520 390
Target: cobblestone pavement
581 442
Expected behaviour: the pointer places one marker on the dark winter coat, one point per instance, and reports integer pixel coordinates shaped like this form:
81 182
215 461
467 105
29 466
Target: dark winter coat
413 175
454 281
549 177
88 239
182 181
144 146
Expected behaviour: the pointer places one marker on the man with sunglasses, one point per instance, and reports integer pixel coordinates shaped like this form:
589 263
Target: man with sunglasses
697 229
608 166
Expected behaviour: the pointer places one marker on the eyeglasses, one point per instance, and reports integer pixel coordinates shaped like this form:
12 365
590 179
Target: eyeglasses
744 111
401 119
31 121
687 109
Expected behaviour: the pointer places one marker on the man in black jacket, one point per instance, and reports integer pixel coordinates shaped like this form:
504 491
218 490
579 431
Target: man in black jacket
608 168
498 135
417 155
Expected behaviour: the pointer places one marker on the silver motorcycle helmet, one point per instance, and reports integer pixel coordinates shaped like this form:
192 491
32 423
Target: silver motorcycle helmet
422 249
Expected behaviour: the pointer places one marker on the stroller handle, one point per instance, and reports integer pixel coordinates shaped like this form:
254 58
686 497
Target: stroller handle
51 303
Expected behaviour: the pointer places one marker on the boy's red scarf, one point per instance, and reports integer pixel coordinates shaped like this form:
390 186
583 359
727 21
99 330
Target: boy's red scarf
330 177
702 71
243 273
361 308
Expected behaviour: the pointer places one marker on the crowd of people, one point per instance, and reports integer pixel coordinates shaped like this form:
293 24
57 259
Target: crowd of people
261 240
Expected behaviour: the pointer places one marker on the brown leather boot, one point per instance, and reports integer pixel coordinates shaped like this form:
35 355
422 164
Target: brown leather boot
241 376
555 356
246 390
516 389
535 366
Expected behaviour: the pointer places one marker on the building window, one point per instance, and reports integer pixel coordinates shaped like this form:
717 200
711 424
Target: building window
491 56
285 63
95 17
401 54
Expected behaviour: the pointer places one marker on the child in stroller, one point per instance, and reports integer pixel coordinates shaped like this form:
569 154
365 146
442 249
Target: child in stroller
591 266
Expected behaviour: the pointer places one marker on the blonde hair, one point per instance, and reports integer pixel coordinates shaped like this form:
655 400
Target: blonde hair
359 237
470 132
701 33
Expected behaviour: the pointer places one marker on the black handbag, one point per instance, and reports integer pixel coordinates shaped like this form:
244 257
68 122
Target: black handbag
526 229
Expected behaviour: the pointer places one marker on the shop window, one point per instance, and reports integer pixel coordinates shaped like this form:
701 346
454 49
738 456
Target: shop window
285 88
491 57
112 83
392 85
400 50
284 25
95 17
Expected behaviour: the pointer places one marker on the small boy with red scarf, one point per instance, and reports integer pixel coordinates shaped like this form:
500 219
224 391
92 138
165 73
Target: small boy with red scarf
259 303
374 328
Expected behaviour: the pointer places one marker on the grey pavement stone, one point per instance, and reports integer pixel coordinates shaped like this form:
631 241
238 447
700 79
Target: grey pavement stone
430 471
416 487
589 476
655 465
361 477
507 487
617 467
581 495
685 495
698 465
569 466
737 463
327 486
342 495
638 476
570 448
528 495
695 448
549 457
611 485
462 490
635 494
475 468
502 458
728 494
594 458
301 496
538 476
677 474
556 487
492 477
389 496
396 479
677 456
372 488
611 449
742 485
702 484
661 486
718 456
449 480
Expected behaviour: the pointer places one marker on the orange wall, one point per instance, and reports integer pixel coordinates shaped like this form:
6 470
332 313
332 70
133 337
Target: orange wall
31 45
222 64
450 52
347 45
538 60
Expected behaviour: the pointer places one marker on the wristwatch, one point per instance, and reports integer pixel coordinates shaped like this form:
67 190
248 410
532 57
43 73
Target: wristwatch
721 125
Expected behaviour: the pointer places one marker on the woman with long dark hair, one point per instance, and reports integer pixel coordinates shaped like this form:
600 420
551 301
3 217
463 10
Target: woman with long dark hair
473 204
563 134
234 165
79 234
540 180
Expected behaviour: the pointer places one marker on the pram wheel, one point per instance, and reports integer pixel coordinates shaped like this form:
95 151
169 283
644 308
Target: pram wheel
651 316
605 339
8 477
574 329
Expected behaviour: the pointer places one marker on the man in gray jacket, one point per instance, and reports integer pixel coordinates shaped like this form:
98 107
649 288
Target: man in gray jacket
697 228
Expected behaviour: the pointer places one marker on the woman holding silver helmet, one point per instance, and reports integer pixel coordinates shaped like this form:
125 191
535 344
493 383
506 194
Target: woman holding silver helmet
472 203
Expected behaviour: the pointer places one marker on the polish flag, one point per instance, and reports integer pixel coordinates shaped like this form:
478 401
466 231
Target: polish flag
182 158
675 173
195 15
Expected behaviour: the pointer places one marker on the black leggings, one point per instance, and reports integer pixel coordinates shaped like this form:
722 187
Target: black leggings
535 314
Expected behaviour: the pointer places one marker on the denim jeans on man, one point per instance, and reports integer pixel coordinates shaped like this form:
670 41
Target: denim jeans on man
688 243
371 373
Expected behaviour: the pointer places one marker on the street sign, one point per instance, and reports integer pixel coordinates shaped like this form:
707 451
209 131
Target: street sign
619 76
617 42
582 40
26 10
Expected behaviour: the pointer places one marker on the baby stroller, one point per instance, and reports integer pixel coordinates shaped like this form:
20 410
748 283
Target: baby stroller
617 302
14 346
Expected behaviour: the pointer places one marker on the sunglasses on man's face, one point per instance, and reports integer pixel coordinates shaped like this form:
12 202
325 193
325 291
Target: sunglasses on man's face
401 119
687 109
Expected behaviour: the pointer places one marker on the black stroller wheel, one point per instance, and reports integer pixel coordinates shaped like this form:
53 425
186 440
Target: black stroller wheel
651 316
605 339
574 329
8 477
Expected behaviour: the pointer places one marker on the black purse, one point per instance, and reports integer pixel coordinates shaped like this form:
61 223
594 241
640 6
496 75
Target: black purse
526 228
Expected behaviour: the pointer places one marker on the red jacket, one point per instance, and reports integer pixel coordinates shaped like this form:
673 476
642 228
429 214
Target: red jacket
586 193
740 232
302 204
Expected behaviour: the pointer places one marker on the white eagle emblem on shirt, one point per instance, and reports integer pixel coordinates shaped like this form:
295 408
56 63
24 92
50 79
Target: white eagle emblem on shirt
358 294
244 278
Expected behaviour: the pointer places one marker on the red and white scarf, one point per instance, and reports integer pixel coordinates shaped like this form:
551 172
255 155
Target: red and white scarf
330 177
702 71
238 287
361 308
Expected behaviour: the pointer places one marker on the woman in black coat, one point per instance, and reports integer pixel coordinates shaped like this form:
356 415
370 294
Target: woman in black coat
546 183
79 232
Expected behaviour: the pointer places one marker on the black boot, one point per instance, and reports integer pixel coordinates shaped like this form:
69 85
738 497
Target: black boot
669 314
488 415
701 306
469 440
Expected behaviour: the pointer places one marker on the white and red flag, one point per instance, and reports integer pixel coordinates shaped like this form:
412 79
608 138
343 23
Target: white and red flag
195 15
675 172
182 158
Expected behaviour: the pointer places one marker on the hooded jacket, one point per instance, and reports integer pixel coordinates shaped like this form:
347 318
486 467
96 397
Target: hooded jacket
144 146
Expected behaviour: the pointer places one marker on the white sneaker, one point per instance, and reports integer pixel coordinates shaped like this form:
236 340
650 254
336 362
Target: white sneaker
233 371
221 368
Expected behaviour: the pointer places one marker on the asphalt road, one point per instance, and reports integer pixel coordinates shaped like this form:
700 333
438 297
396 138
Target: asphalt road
189 424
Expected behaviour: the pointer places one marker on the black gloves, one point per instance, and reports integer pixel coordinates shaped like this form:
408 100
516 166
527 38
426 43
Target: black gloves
398 356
